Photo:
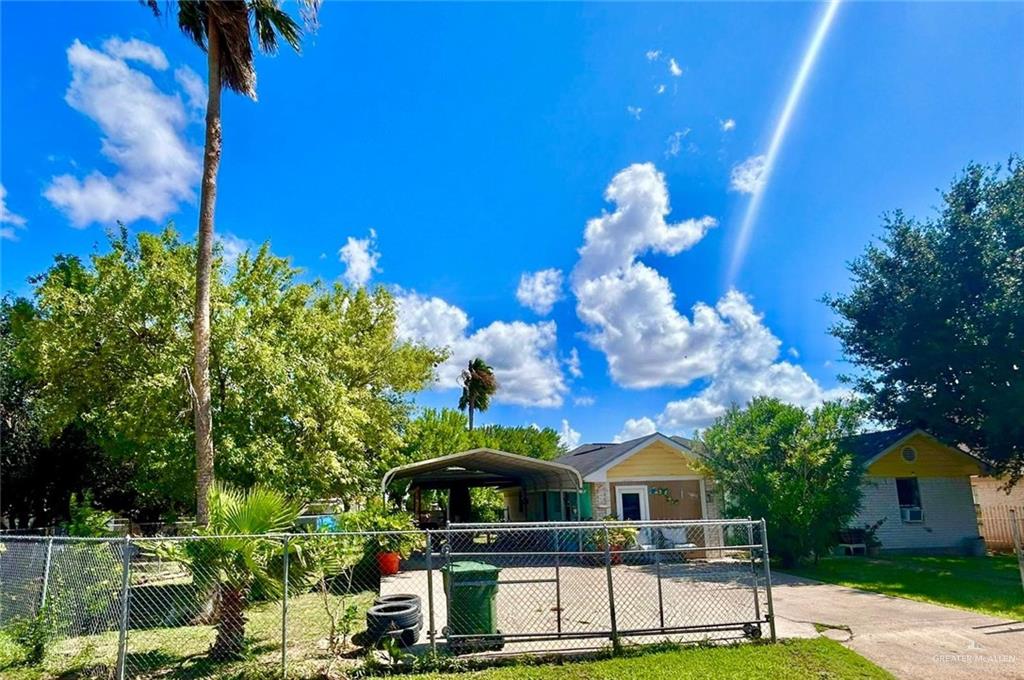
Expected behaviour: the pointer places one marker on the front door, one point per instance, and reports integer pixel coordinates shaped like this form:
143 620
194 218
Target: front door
632 503
633 506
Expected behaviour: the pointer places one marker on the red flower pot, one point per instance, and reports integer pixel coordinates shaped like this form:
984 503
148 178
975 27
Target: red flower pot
388 563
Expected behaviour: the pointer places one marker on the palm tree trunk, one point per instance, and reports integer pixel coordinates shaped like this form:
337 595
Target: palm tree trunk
471 416
203 413
230 641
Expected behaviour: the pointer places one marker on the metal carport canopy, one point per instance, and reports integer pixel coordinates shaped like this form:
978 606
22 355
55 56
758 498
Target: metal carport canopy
487 467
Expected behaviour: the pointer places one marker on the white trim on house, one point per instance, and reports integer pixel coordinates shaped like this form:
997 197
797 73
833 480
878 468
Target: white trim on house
601 474
641 490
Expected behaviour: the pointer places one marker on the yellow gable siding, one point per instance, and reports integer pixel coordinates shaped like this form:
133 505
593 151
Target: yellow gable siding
933 460
657 460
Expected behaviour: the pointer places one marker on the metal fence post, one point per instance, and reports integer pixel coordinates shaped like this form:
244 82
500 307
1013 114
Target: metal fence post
558 585
122 640
611 588
753 569
284 612
431 633
1015 527
661 599
46 574
767 578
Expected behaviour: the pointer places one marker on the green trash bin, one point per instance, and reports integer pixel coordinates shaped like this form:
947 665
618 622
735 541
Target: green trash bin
472 592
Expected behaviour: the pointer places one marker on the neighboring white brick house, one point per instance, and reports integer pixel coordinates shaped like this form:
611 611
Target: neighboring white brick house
921 487
947 508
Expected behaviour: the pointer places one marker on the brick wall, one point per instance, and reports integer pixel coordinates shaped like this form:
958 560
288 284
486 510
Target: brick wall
949 515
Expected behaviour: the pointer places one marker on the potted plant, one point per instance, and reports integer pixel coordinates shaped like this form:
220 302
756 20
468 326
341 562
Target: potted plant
872 544
397 541
619 538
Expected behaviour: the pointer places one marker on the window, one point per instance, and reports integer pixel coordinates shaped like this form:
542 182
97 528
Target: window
909 494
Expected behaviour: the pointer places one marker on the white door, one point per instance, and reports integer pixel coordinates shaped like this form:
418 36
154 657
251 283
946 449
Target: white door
632 504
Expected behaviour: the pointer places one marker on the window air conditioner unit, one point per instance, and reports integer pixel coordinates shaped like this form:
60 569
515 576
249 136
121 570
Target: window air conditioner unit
911 514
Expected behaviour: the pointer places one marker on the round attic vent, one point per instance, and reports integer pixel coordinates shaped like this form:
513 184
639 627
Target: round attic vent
909 454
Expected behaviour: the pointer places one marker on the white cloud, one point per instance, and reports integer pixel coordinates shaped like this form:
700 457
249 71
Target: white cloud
143 136
635 111
634 428
568 437
193 86
540 290
136 50
613 241
573 363
232 247
15 220
674 143
748 176
727 125
794 352
674 68
630 313
652 55
524 356
585 400
360 258
660 89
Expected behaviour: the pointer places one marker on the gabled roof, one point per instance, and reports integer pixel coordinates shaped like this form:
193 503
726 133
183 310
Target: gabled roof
589 458
868 447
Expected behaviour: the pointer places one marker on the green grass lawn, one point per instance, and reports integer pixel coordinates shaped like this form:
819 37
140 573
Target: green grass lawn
989 585
819 659
179 652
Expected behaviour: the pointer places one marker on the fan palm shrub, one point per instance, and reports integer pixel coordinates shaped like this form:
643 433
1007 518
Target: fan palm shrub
238 555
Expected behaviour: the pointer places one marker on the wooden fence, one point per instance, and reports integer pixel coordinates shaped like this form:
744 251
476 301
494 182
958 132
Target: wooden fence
996 527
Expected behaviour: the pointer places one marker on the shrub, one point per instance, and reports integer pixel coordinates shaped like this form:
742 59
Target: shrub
786 464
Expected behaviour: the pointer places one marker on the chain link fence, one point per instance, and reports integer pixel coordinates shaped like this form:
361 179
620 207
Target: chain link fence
313 604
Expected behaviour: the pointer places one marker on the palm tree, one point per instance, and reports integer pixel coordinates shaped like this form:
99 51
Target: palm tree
233 557
223 29
478 384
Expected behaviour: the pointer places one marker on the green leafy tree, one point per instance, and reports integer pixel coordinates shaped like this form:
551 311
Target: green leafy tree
222 30
935 319
787 465
478 385
310 382
441 432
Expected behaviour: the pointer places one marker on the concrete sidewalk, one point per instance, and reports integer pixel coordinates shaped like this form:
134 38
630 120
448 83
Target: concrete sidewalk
912 640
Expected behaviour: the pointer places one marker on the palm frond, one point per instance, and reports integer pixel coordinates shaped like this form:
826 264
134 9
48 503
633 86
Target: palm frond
270 20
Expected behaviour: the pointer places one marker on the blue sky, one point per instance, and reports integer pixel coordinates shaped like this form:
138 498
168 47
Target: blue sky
477 142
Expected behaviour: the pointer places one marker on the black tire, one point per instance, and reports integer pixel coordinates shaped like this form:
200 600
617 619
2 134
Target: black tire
384 617
409 636
400 598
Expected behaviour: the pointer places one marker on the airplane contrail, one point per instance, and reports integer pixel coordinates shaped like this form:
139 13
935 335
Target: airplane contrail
781 127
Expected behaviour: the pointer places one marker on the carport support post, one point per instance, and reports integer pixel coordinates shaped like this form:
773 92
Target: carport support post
122 639
284 610
611 590
767 578
1015 527
430 592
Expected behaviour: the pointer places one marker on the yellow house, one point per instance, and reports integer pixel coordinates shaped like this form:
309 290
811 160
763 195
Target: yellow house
919 488
649 478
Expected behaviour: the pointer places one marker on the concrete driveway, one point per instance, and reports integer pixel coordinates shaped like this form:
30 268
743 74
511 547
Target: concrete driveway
910 639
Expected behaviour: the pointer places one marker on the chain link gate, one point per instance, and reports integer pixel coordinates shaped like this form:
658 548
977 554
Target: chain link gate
575 585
